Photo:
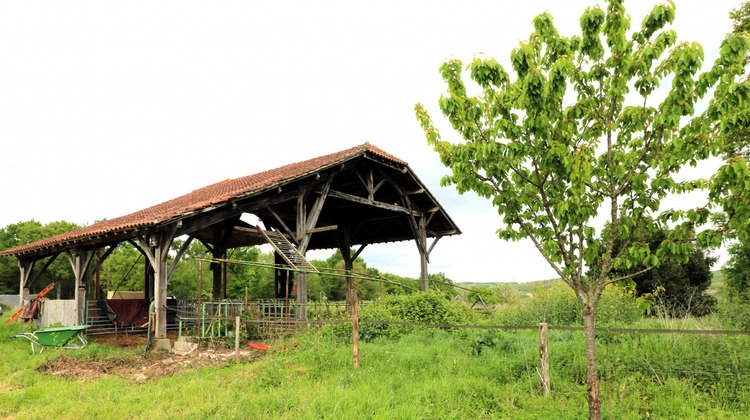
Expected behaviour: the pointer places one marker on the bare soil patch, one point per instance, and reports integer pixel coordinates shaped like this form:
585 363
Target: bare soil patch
139 368
125 340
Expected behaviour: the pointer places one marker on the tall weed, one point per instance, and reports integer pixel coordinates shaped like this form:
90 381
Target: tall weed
555 303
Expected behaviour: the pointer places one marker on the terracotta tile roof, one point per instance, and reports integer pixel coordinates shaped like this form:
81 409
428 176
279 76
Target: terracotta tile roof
208 196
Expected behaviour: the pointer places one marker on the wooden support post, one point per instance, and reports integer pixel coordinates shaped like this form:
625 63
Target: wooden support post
160 285
301 310
80 260
344 239
237 337
348 265
301 277
97 284
200 292
217 269
224 277
355 329
24 266
146 279
200 283
424 255
543 360
156 247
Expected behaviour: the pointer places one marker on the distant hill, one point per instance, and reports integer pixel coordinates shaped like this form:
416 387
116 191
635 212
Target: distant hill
717 282
523 287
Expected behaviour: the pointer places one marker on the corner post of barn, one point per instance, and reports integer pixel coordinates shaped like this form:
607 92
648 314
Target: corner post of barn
344 239
156 247
25 266
305 226
425 249
79 261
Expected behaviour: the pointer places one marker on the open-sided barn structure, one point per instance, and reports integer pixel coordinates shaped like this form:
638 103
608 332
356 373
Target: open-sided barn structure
348 199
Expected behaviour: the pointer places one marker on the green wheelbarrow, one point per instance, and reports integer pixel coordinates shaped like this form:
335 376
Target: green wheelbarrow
56 337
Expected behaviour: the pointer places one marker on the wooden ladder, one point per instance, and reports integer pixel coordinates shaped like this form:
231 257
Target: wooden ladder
291 255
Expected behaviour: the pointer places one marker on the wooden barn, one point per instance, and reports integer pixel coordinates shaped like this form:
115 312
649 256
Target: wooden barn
345 200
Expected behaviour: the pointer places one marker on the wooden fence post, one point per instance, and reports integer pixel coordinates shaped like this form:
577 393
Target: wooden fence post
543 360
237 337
355 328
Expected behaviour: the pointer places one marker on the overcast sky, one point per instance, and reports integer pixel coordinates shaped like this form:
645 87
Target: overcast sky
110 107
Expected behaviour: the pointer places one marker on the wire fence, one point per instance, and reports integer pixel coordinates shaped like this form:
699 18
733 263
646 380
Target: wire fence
269 319
608 369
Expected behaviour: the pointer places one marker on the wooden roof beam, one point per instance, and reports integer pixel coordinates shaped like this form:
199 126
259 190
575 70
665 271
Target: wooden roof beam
379 204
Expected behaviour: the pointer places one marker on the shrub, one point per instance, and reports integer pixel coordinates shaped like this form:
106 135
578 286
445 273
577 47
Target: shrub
420 308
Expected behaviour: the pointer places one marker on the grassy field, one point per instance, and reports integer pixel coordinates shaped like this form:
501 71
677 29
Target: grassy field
426 373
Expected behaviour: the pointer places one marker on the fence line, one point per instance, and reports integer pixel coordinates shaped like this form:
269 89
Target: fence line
494 359
514 327
544 368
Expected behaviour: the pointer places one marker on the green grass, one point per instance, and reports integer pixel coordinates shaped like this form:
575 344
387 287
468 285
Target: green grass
425 374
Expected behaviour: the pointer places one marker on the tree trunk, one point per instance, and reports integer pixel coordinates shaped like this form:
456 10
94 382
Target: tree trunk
592 379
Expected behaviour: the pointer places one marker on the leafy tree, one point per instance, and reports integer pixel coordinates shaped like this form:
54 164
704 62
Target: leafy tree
485 292
122 270
684 284
738 138
741 21
574 134
22 233
442 283
258 281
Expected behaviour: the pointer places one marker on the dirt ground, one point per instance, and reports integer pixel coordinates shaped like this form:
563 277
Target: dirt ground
140 367
127 341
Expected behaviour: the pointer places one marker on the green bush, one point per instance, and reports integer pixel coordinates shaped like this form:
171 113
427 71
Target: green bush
420 308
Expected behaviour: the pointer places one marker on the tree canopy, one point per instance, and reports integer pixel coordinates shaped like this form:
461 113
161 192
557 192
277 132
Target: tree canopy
598 124
738 138
737 272
22 233
682 285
